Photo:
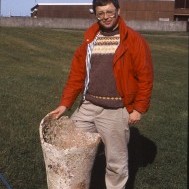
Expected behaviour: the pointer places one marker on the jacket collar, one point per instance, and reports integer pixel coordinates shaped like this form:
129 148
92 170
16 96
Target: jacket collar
94 29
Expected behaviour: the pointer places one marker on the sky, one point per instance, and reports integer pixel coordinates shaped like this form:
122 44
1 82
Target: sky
22 7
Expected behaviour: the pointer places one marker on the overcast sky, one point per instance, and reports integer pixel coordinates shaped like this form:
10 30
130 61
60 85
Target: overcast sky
22 7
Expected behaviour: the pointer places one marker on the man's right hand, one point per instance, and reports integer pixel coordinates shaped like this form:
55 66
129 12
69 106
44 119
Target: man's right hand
56 114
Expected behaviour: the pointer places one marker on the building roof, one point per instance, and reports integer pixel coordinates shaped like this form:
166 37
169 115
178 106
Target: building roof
64 4
147 0
44 4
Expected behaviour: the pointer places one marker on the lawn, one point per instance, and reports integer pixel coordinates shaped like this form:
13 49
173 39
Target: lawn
34 64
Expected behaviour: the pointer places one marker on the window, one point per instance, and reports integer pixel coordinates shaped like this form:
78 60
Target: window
181 4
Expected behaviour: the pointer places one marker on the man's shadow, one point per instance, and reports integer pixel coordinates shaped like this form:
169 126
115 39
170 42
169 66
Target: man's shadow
142 152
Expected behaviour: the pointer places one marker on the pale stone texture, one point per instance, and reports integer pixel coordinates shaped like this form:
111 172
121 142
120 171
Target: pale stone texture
68 153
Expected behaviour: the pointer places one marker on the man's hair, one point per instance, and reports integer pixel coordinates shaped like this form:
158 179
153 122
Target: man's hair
104 3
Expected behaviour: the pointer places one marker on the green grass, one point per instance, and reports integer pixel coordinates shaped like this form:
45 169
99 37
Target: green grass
34 64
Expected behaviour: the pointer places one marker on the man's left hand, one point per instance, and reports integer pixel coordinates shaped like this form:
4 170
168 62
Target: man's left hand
134 117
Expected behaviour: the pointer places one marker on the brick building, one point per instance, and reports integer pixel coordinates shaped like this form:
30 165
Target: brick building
181 10
162 10
147 10
62 10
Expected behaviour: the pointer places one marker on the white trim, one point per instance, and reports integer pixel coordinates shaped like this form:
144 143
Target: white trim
64 3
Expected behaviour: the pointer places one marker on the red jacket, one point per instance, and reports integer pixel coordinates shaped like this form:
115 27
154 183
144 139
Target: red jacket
132 66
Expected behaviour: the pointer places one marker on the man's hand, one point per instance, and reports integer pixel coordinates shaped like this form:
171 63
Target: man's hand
56 114
134 117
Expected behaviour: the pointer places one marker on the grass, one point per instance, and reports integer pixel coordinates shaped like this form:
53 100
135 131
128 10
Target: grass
34 64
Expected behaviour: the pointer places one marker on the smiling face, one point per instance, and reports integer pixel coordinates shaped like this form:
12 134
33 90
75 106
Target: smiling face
107 16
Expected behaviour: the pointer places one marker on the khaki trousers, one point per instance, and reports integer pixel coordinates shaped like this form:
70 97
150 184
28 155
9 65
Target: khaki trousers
112 125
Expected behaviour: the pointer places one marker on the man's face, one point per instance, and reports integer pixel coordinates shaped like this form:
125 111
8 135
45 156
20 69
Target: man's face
107 16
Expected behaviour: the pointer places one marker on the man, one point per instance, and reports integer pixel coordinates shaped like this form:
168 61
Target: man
113 70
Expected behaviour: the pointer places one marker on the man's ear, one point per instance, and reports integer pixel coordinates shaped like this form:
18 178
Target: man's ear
118 11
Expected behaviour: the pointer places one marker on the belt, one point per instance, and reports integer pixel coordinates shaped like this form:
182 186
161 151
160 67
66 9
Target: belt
106 97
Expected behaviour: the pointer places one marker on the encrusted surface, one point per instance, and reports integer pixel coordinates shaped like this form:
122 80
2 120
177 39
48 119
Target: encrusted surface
68 153
62 133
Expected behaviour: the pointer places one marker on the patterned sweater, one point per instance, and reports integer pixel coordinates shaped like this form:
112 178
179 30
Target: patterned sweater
102 86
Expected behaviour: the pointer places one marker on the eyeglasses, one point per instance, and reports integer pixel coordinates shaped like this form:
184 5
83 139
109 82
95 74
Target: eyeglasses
109 13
